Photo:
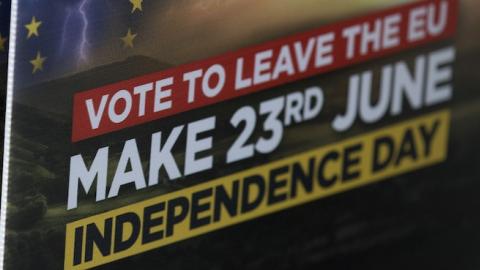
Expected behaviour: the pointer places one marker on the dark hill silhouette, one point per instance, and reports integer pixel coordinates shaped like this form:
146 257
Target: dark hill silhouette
56 96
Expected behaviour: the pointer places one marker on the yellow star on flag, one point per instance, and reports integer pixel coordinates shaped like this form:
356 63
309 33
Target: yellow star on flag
38 63
136 4
32 27
3 41
128 39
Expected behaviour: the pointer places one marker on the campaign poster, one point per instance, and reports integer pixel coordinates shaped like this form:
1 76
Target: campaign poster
241 134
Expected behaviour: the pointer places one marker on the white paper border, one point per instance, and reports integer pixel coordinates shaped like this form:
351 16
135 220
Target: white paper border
8 125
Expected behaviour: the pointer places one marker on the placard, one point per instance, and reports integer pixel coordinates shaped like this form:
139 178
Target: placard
240 135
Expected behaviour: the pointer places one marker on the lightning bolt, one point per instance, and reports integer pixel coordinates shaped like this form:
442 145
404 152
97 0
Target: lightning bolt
84 42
